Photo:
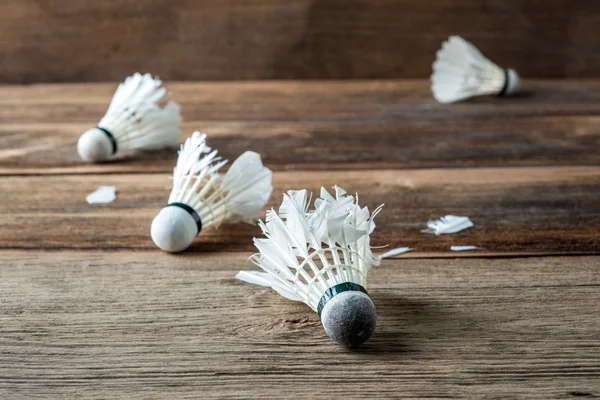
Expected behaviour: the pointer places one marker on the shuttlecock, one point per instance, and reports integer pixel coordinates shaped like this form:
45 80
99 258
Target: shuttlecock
134 120
202 197
461 71
321 258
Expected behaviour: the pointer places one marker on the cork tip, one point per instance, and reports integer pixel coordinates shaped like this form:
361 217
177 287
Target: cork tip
173 229
349 318
94 146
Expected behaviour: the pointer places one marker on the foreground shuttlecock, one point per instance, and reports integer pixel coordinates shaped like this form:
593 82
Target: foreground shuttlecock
134 120
461 71
202 197
321 258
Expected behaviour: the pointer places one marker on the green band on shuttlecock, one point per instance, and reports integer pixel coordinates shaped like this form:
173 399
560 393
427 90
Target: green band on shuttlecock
190 211
337 289
110 136
506 84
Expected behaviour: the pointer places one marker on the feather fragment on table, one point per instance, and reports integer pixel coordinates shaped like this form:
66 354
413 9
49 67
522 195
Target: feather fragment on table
102 195
395 252
463 248
447 225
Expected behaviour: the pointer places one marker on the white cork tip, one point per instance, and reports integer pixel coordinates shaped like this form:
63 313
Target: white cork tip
513 82
173 229
94 146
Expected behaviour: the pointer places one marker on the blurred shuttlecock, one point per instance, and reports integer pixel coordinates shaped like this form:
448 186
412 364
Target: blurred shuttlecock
461 71
202 197
321 258
134 120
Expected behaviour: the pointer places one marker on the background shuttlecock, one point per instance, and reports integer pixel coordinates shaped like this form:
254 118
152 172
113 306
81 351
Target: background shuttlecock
461 71
134 120
202 197
321 258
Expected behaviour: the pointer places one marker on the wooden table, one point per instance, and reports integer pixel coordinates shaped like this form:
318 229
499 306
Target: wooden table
90 309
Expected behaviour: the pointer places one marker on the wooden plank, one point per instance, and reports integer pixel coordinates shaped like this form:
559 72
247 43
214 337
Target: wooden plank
261 39
544 210
333 101
385 124
151 325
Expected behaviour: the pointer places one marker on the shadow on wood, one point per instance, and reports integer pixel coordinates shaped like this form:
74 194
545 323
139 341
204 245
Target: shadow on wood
397 319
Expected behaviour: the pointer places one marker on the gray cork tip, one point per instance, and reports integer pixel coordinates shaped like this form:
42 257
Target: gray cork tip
349 318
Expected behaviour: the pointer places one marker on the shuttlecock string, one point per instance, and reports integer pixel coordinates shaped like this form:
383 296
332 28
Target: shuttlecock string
337 289
190 211
110 137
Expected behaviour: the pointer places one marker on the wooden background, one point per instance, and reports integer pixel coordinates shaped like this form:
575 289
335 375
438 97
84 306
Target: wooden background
89 40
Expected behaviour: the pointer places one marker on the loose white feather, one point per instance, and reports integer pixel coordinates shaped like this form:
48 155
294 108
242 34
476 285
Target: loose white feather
102 195
447 225
395 252
463 248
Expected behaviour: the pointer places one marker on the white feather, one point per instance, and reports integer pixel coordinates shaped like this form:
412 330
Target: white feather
248 186
266 280
240 194
135 118
102 195
306 252
463 248
293 210
460 71
395 252
447 225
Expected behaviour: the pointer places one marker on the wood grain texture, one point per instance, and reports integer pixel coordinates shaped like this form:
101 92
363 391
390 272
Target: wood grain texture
85 40
90 309
544 210
317 125
150 325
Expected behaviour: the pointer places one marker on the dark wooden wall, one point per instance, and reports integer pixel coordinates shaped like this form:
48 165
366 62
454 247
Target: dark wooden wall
91 40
